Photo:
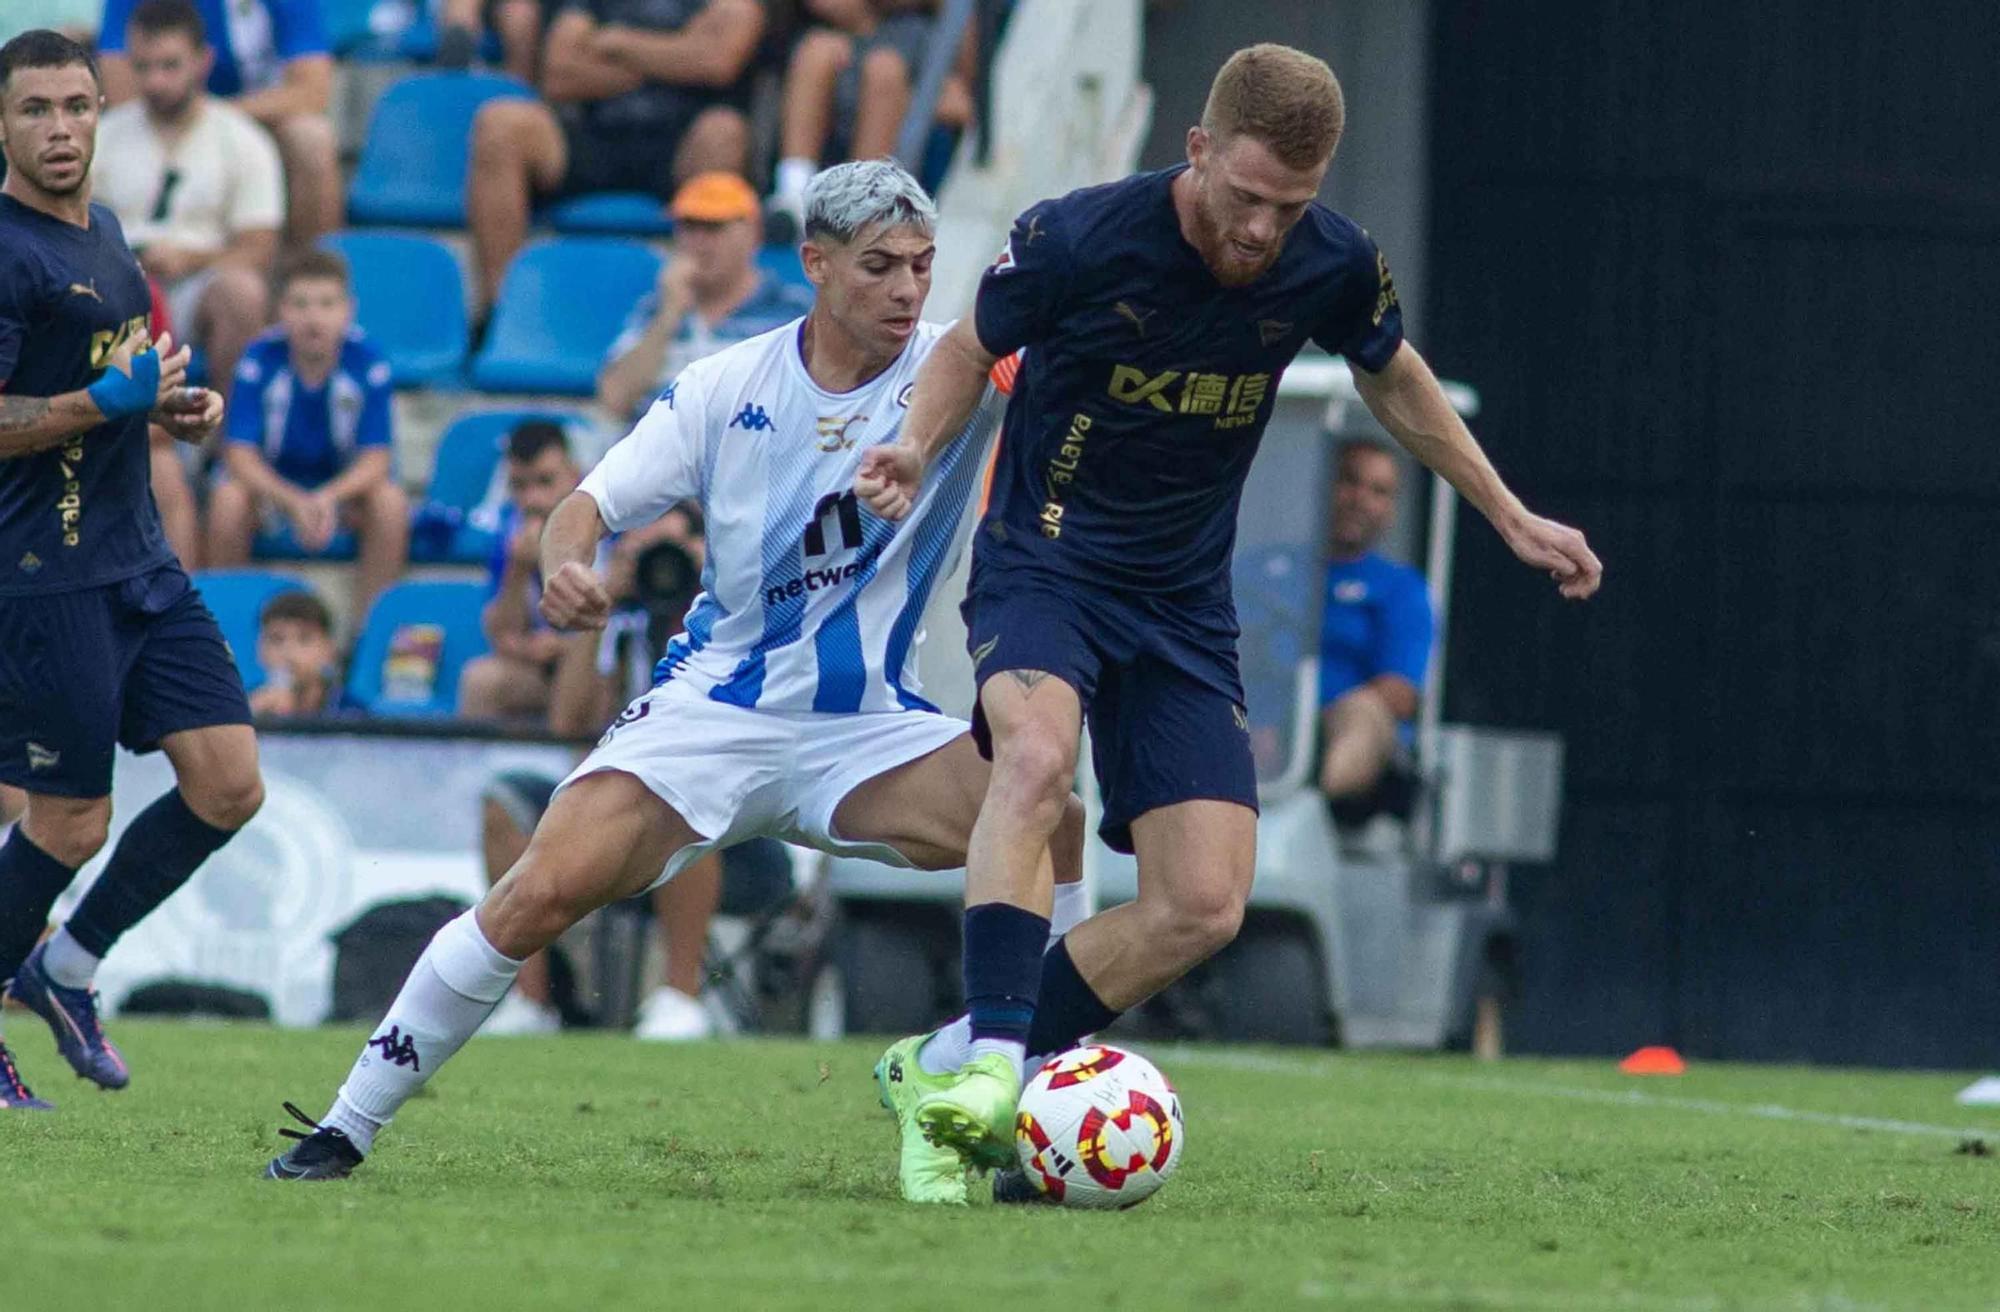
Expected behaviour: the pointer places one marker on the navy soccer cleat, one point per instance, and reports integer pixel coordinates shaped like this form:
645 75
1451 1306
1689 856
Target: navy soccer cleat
72 1014
1012 1185
325 1154
15 1095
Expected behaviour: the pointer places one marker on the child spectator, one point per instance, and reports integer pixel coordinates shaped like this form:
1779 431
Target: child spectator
295 649
309 435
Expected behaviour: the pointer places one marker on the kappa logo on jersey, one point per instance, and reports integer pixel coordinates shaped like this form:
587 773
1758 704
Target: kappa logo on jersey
833 430
753 419
398 1048
667 393
903 397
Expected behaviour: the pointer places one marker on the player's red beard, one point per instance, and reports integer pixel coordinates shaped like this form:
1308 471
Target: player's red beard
1231 266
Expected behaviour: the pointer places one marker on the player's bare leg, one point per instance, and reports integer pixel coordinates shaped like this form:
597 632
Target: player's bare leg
605 837
218 790
927 809
1034 720
232 524
1196 860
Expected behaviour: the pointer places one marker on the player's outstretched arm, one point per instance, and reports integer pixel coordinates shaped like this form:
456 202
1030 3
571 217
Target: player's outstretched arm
134 382
949 388
1406 398
573 597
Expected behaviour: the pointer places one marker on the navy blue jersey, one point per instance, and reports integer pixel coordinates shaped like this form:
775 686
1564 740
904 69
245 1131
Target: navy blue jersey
82 514
1147 384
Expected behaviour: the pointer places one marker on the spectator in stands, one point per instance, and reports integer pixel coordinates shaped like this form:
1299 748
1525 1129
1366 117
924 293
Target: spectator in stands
711 294
639 94
850 81
591 682
518 23
272 62
514 681
196 185
309 434
1375 636
295 648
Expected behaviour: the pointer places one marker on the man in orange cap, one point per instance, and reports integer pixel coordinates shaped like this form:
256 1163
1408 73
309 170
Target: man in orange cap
711 294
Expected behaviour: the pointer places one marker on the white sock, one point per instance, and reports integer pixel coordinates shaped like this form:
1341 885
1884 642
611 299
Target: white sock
459 980
792 176
1070 909
68 962
1013 1050
947 1049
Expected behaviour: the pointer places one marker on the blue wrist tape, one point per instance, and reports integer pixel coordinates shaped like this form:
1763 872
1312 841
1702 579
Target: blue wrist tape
119 395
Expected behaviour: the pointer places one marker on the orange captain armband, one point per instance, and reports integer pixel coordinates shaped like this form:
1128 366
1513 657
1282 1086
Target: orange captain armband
1005 370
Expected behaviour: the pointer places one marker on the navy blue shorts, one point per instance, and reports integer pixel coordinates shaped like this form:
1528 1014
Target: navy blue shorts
126 663
1157 678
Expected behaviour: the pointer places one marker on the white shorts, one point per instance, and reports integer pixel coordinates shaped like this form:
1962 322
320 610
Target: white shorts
735 774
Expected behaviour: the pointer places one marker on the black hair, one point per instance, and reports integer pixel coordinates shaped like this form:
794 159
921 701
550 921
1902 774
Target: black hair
41 48
159 17
297 604
528 440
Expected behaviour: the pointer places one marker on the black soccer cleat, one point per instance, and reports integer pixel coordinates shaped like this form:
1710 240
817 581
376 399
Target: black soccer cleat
1013 1186
325 1154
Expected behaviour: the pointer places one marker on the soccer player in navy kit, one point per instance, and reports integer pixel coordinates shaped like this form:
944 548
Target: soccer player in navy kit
102 638
1158 314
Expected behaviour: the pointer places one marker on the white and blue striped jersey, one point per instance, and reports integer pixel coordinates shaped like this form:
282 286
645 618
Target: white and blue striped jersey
809 602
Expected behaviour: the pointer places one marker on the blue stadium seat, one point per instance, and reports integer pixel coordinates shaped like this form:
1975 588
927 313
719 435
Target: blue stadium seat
468 456
560 308
348 26
410 301
783 261
611 213
413 163
235 597
433 630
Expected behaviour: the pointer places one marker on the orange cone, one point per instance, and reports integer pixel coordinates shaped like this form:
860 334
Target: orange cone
1654 1061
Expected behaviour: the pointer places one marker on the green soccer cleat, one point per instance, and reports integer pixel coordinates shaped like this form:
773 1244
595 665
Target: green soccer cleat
929 1172
973 1113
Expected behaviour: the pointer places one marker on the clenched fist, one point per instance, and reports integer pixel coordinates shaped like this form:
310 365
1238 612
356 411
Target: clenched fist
574 598
888 480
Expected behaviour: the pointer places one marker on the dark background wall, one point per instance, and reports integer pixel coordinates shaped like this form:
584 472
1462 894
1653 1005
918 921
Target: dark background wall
1725 275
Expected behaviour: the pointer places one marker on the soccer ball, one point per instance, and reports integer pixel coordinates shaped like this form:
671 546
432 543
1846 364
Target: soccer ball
1099 1127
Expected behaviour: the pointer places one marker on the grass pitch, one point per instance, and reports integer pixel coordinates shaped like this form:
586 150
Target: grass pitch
598 1172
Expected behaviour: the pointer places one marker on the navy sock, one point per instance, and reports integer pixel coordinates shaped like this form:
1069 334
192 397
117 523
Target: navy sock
1003 969
1068 1007
30 882
154 857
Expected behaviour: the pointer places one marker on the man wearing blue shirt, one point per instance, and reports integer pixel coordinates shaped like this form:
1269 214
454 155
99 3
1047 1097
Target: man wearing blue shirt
1375 634
309 433
273 62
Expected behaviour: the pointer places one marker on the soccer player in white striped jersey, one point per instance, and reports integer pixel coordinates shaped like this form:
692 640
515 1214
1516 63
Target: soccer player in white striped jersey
789 707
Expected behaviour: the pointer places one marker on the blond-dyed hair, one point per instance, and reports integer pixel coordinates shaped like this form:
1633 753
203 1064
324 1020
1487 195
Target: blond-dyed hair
1285 98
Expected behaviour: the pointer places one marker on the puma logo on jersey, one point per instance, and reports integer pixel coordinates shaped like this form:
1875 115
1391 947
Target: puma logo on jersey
86 289
1138 319
41 758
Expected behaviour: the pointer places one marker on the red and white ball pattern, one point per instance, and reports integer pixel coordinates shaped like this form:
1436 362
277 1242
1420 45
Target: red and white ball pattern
1099 1127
